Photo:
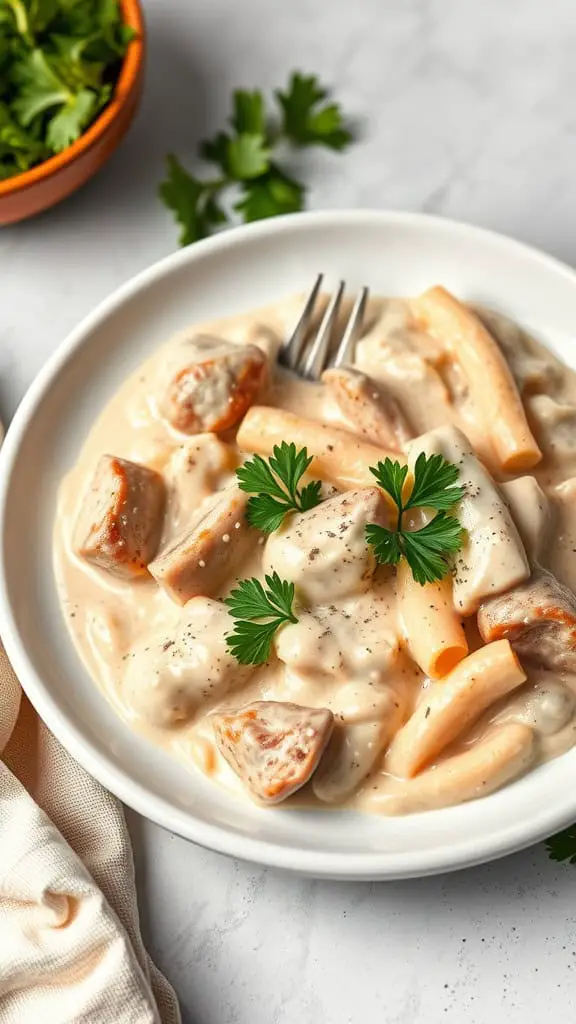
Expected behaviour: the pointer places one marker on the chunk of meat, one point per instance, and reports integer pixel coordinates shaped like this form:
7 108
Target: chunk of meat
543 703
539 620
171 675
531 512
120 521
554 425
213 392
274 747
368 406
324 551
193 472
350 640
533 369
203 558
358 741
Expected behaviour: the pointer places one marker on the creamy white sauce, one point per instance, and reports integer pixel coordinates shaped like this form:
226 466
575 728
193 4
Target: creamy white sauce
347 652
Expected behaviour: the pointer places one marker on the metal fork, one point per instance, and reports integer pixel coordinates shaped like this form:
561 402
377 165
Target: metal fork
308 361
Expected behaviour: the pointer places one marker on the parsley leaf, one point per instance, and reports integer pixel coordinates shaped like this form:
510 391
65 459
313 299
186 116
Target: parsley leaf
386 544
246 154
434 480
248 115
274 486
249 603
241 158
215 150
391 476
562 846
71 120
307 123
272 194
40 87
19 150
192 201
428 550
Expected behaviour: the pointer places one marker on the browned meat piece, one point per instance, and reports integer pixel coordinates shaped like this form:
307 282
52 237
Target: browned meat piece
273 746
372 412
120 523
539 620
212 394
200 560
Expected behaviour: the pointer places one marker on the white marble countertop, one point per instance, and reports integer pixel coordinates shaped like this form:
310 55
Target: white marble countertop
466 110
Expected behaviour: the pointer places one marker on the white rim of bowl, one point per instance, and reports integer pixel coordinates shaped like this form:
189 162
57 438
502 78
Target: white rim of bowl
366 867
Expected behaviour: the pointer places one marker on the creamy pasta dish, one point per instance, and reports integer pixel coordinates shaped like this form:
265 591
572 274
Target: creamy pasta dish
352 592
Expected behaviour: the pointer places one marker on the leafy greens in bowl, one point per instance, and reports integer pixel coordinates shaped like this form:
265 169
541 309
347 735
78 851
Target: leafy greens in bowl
59 60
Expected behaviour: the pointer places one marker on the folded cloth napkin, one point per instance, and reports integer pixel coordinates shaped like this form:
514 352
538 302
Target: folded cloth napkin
70 945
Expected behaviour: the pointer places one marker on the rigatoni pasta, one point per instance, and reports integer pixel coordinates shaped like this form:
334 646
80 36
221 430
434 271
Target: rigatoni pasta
492 387
500 756
451 705
432 627
339 456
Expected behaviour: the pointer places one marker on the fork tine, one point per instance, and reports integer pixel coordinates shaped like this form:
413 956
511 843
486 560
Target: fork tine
316 358
289 353
353 330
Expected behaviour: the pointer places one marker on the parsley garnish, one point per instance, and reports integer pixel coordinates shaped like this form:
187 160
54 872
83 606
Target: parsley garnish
58 64
562 846
251 640
427 550
274 486
246 157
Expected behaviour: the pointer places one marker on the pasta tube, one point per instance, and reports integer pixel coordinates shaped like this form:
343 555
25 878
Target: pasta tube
450 706
492 386
503 754
338 456
433 630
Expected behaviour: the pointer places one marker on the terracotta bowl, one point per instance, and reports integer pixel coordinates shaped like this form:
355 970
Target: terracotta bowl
45 185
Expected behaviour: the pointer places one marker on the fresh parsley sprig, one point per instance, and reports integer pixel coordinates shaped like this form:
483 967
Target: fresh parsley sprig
246 157
428 550
273 484
562 846
258 614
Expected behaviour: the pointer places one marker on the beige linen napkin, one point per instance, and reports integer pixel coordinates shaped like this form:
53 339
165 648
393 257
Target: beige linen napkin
70 945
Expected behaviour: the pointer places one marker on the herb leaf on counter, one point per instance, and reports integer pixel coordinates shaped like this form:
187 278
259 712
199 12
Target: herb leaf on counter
429 549
247 156
306 122
562 846
249 603
274 486
192 201
272 194
58 63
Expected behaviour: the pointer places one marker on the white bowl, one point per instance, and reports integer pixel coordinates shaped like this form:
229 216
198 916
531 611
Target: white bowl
392 253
